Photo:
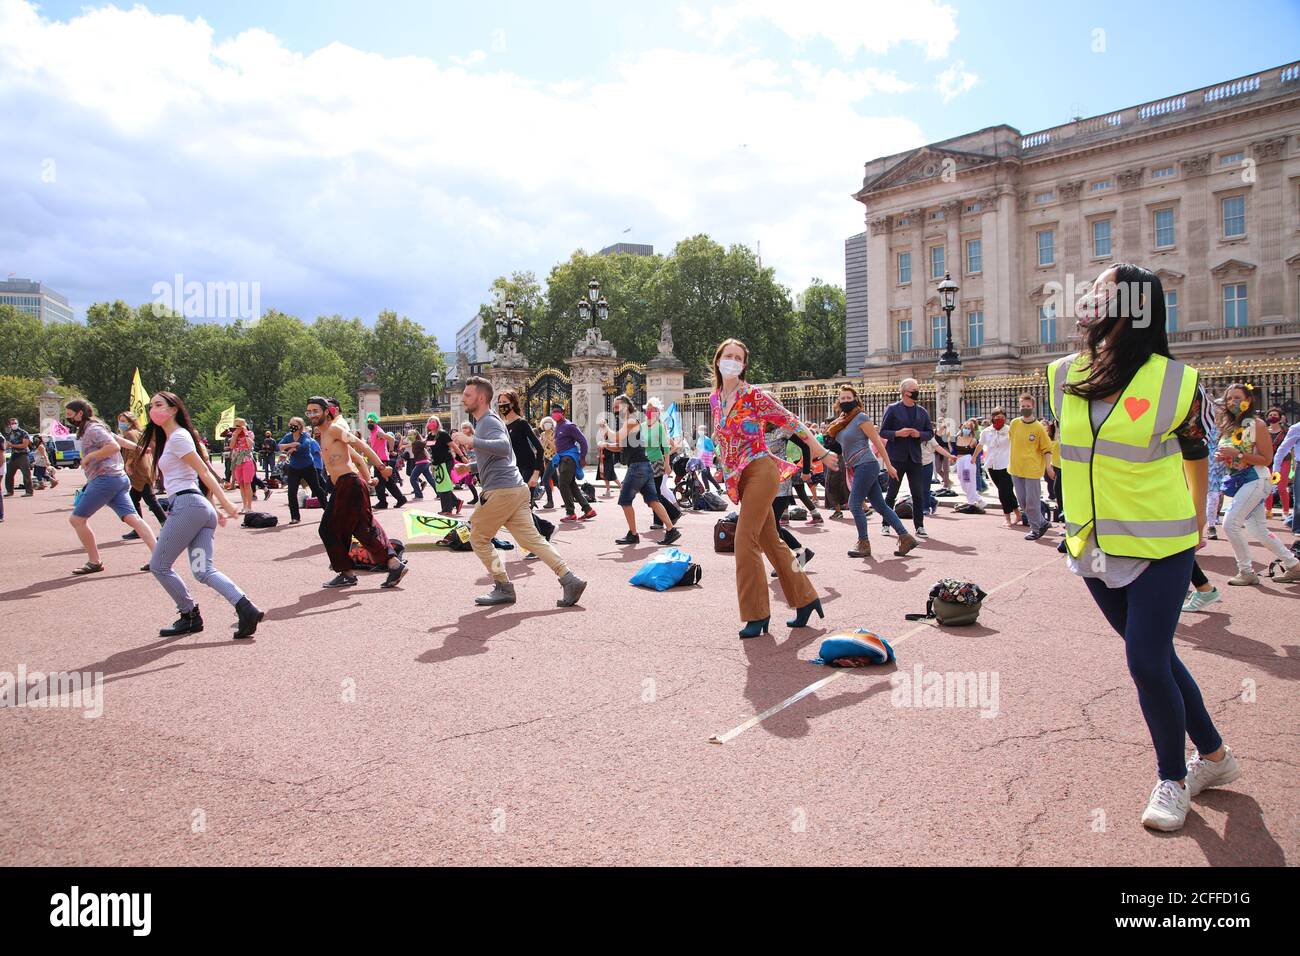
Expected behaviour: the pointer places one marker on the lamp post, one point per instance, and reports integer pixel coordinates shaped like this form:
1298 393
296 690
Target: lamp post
948 295
593 308
509 327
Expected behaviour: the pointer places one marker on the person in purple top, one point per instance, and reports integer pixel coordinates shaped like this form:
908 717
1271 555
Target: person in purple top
905 427
570 452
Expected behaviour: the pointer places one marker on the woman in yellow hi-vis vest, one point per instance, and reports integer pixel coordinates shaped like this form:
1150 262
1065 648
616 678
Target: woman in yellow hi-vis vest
1135 465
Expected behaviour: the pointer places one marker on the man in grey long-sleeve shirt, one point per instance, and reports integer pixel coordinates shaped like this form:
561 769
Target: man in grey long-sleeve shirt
505 502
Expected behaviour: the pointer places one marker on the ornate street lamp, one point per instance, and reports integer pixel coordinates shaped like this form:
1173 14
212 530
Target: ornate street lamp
594 308
948 296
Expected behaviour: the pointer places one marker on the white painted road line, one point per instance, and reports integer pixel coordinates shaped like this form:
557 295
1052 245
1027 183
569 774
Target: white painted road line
818 685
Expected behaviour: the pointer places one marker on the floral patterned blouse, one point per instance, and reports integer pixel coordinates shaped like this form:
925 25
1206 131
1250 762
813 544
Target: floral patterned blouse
739 437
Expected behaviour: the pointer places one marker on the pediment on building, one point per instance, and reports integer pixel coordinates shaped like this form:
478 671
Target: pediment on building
1231 267
923 164
1169 275
1294 260
1043 291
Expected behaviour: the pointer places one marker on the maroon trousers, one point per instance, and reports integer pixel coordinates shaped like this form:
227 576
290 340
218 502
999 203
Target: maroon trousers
347 515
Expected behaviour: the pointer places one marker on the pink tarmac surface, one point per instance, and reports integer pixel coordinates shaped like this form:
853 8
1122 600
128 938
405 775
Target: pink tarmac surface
364 726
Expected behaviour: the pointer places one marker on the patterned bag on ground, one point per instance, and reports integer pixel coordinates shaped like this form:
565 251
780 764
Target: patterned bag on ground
724 535
953 603
715 501
311 503
260 519
362 559
797 514
966 508
859 648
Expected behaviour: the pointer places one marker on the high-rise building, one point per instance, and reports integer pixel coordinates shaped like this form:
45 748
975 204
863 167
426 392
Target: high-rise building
35 298
629 248
855 302
470 341
1202 188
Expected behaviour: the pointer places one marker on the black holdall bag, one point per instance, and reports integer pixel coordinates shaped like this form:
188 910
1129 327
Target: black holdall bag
692 576
260 519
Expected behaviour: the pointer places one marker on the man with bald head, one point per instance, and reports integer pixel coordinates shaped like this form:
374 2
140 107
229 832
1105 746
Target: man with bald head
905 427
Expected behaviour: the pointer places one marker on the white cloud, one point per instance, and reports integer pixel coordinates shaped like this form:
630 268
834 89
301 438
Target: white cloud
498 43
955 81
348 181
874 26
478 56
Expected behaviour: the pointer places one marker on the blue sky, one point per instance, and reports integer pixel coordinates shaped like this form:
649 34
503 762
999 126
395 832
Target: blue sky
349 157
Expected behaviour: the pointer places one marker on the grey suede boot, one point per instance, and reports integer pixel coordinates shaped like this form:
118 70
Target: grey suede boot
573 588
503 592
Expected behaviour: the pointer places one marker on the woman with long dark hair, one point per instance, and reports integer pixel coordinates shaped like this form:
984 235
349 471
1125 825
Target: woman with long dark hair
106 483
192 524
753 476
857 435
1135 463
1246 447
140 473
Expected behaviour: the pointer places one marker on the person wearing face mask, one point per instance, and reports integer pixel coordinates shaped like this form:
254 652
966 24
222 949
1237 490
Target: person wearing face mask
1284 463
964 445
837 486
379 441
754 475
303 450
1277 433
995 442
546 433
905 425
639 477
1247 449
857 435
140 471
170 445
570 453
348 514
20 443
1134 459
1031 454
106 483
1054 483
42 467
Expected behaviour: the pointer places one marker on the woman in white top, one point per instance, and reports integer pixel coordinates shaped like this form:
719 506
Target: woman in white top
996 440
193 522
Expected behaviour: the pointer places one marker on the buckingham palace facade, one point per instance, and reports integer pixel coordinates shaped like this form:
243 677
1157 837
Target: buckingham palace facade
1202 187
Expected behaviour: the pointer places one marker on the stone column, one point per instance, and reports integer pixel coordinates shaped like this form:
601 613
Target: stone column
368 395
666 373
882 275
49 407
948 382
509 370
591 365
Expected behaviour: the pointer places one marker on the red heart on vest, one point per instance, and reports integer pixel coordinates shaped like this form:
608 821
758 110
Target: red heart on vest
1136 407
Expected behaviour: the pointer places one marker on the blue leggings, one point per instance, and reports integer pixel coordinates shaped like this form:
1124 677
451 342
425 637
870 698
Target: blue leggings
1145 614
189 530
866 485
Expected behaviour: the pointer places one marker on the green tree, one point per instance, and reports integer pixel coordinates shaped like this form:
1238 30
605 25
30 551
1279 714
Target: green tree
18 399
351 340
403 357
818 331
293 394
22 343
210 395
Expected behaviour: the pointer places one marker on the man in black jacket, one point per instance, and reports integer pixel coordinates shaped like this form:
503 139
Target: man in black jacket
905 427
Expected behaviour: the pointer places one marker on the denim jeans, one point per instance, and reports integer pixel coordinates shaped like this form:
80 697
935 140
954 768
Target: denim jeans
866 485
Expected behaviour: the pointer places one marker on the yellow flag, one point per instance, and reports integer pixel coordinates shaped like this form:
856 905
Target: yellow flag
227 421
139 404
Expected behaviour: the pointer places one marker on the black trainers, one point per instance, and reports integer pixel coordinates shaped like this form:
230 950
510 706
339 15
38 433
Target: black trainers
340 581
628 538
671 536
395 575
1036 533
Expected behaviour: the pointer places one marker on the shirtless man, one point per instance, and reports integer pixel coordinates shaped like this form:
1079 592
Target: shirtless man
347 513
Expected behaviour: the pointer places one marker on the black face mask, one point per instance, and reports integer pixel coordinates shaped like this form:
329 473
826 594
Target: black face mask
914 395
847 407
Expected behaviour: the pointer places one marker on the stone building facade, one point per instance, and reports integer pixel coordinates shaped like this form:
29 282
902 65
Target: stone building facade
1203 188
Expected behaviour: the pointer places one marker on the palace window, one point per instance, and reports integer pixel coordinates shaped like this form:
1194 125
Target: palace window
1046 247
904 335
936 262
1234 306
974 256
904 268
1234 216
1164 222
1101 238
974 329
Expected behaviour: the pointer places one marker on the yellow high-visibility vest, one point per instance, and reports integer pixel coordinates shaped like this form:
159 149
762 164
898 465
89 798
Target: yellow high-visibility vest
1125 482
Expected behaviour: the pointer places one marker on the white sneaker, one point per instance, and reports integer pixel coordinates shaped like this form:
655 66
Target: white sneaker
1168 806
1204 774
1244 579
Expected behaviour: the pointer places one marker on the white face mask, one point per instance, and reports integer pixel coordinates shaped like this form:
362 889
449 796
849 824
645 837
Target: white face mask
730 368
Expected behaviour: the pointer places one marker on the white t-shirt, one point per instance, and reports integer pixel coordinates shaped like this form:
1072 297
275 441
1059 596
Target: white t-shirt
177 474
997 446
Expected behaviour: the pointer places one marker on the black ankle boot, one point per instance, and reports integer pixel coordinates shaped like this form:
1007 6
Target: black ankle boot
190 622
249 617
